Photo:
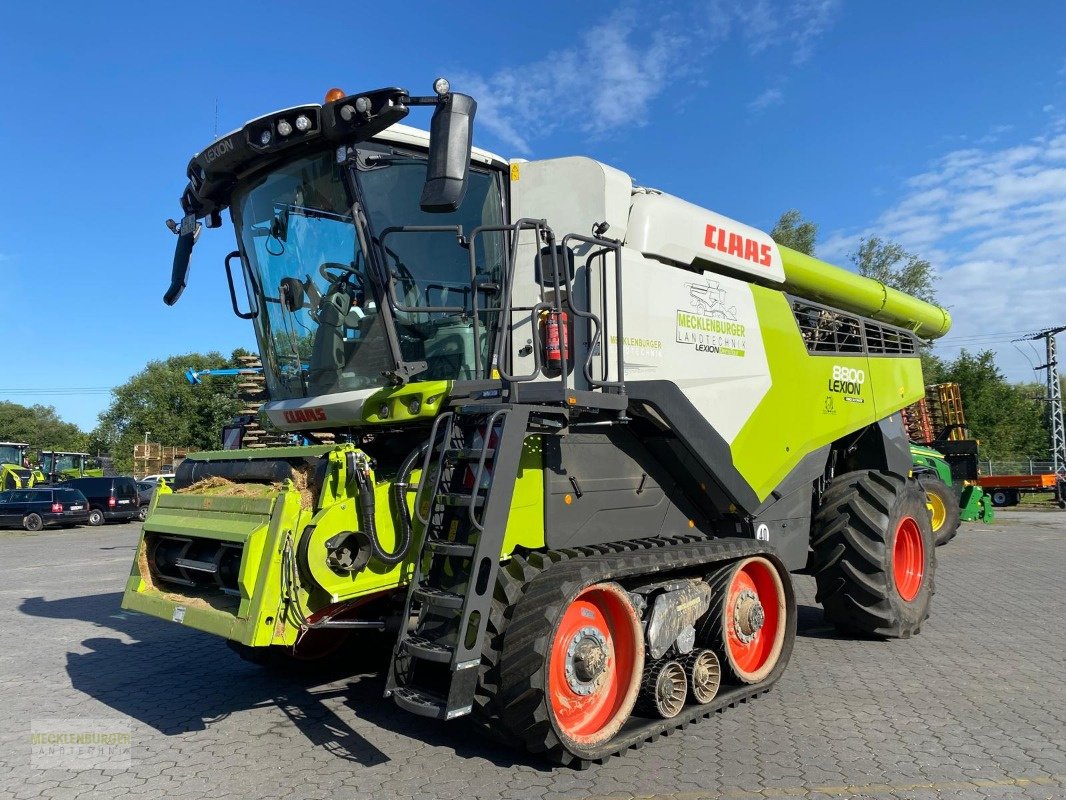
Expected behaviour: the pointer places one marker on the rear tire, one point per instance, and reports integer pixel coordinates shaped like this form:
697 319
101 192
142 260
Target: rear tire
32 522
946 514
874 554
96 517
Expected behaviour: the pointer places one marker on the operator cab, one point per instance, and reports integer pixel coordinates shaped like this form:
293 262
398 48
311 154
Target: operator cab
373 254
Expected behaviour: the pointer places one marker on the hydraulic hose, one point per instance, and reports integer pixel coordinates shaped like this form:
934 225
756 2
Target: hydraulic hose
367 508
401 514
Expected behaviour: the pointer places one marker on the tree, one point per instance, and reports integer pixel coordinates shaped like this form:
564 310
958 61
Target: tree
1009 419
160 401
795 232
889 263
40 427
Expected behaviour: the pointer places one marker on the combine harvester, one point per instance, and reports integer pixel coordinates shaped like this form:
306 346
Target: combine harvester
590 430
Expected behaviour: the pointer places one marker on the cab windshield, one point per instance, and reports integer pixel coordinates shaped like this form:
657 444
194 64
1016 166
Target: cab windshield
323 306
10 454
63 462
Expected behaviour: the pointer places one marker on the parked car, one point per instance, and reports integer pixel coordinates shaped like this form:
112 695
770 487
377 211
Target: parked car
110 499
166 476
33 509
145 493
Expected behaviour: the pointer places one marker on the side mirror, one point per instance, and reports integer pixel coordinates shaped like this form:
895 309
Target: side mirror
450 134
188 233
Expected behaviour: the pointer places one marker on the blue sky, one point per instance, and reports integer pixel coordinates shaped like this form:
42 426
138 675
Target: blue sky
940 125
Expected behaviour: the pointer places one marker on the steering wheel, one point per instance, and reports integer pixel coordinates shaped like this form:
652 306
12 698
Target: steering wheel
337 274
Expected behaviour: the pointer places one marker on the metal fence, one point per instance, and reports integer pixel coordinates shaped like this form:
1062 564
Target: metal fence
1027 467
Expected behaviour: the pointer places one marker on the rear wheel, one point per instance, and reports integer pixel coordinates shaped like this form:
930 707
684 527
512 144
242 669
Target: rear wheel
944 511
873 554
96 517
33 522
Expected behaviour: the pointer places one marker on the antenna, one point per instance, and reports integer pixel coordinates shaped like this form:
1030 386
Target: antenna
216 116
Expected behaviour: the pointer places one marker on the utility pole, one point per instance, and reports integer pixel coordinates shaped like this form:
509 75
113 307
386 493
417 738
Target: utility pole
1054 401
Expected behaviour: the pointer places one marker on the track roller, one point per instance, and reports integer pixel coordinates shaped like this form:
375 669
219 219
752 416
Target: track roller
663 689
704 675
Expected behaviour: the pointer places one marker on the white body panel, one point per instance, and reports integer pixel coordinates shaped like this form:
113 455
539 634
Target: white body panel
669 228
697 330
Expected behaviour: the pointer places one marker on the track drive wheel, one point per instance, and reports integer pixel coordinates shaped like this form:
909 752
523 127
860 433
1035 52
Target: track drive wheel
944 511
750 619
873 554
571 668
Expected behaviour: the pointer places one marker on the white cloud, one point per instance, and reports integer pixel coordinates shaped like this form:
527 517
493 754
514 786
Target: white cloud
993 221
609 78
771 97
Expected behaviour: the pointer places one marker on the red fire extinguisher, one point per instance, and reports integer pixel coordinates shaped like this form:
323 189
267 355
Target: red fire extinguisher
555 339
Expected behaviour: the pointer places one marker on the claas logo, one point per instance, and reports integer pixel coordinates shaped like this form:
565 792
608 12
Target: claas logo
305 415
735 244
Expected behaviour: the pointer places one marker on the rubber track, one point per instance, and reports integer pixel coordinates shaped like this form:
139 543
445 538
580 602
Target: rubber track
543 577
849 562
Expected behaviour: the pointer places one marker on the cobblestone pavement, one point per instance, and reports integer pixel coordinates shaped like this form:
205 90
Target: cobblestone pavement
974 707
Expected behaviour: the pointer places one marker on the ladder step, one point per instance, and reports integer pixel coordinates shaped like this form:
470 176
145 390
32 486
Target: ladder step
428 650
443 548
425 704
468 454
461 499
438 597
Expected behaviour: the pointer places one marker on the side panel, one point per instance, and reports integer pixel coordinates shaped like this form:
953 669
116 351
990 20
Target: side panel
813 403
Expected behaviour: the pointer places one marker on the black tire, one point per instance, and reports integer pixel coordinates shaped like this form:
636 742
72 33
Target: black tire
142 513
938 491
32 522
96 517
865 518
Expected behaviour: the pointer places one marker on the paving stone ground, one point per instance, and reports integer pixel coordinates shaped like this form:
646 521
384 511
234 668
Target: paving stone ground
974 707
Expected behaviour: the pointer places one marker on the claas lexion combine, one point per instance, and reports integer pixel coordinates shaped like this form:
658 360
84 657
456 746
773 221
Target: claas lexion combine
587 430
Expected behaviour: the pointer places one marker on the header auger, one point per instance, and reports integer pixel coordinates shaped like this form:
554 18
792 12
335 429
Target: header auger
588 430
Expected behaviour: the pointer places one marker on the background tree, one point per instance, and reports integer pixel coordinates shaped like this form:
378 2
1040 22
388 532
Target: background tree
889 263
793 231
160 400
1010 420
41 427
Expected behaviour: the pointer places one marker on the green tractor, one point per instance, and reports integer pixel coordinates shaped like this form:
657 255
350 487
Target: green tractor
59 465
949 476
585 432
14 470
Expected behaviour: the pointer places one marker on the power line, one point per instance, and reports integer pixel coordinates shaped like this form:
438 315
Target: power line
59 391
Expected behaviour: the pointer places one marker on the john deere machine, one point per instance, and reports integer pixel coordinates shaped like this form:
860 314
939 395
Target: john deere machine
14 472
587 431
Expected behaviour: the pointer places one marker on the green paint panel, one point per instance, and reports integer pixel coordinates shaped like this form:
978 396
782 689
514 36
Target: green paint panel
801 412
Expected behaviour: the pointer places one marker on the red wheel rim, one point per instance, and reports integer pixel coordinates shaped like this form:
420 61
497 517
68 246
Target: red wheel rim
590 709
908 559
754 653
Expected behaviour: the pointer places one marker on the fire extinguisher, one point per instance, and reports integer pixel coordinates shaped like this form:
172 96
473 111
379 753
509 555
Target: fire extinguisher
555 340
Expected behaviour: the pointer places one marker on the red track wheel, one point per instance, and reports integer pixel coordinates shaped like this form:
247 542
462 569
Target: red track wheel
748 618
595 664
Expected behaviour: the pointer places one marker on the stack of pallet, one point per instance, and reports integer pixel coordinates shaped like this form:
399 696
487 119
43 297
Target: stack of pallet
152 458
252 393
